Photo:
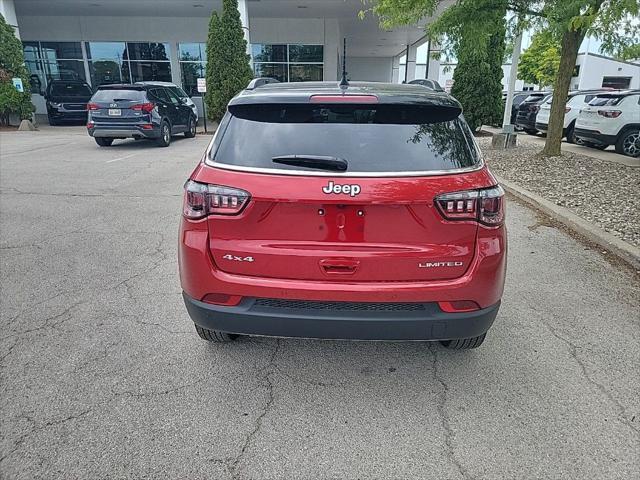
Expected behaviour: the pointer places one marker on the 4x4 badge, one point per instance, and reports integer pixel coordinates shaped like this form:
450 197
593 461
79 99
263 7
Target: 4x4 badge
351 190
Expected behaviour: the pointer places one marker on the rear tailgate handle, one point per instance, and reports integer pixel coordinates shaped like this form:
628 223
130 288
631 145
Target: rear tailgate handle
332 266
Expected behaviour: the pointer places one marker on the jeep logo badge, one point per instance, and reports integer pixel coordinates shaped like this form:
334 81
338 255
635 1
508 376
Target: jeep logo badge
351 190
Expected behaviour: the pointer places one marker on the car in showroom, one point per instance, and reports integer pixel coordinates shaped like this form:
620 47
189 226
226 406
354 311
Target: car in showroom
528 111
136 111
576 100
180 93
359 212
66 101
612 118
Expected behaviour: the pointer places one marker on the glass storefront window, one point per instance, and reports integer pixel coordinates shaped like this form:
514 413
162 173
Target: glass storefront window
56 50
64 70
306 53
192 52
191 71
148 51
47 61
305 72
269 53
273 70
289 63
150 71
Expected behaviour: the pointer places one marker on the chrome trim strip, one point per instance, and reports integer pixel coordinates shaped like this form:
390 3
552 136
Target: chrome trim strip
279 171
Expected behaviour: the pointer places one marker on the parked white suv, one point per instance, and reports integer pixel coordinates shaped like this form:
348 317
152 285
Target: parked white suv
612 119
576 100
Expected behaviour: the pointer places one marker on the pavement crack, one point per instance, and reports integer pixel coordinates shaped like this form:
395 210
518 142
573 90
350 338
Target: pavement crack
449 434
160 392
270 369
573 353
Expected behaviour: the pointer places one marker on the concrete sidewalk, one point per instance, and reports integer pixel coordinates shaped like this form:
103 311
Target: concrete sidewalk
608 155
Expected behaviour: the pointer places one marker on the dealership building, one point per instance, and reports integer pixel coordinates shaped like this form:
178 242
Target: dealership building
114 41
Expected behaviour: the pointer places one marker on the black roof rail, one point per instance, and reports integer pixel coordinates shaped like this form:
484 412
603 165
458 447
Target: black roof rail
260 81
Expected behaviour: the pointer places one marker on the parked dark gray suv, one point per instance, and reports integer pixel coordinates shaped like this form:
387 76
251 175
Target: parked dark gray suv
138 111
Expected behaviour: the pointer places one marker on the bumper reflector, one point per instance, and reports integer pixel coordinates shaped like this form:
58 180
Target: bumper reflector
222 299
458 306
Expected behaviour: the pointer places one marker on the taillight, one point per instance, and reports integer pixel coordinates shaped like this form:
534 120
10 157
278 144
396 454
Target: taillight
144 107
485 206
201 200
610 113
567 109
92 106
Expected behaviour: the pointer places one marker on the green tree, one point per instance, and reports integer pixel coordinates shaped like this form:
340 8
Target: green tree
614 22
228 69
12 66
540 62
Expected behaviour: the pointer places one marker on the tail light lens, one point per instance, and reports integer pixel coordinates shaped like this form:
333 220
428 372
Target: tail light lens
458 306
567 109
144 107
610 113
485 206
202 200
92 106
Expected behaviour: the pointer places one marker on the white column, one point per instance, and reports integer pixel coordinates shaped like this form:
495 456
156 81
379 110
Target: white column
8 11
395 74
332 50
434 63
244 18
513 74
411 63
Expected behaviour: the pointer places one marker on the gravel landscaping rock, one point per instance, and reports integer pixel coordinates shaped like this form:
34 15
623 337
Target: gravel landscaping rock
605 193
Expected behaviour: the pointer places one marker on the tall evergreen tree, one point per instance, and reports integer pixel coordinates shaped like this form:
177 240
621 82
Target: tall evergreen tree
228 69
12 66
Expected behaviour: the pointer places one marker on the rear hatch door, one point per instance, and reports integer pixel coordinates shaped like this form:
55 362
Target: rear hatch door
376 221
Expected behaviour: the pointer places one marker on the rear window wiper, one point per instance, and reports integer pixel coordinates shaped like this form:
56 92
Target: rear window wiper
320 162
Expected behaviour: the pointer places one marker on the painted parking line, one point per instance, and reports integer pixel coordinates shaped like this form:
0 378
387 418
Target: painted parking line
122 158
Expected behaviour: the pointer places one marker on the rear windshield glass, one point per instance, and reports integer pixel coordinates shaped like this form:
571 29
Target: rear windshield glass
377 138
110 95
70 90
605 101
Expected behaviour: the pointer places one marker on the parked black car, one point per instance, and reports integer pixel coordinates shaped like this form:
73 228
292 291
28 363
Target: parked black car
425 82
528 111
67 101
138 111
518 98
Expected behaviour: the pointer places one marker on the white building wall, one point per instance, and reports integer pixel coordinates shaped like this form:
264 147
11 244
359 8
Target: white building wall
593 68
370 69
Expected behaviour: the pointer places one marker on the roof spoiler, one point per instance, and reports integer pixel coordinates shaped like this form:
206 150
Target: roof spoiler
260 81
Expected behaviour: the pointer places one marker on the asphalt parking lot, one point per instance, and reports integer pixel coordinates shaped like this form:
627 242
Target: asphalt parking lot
103 375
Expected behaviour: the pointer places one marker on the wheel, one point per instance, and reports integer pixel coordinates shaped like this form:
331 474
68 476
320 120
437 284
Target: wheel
191 128
571 138
531 131
164 140
53 122
597 146
464 343
214 335
628 143
103 142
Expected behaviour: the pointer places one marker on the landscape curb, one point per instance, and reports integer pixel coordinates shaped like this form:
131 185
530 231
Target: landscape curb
591 232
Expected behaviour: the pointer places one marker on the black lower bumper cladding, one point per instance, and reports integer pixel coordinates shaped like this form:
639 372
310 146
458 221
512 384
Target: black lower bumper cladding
340 320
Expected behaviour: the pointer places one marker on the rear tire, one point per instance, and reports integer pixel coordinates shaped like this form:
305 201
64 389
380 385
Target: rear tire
164 140
215 336
53 122
191 128
464 343
571 138
103 142
628 143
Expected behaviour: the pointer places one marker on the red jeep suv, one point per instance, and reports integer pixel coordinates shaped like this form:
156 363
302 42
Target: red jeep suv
360 212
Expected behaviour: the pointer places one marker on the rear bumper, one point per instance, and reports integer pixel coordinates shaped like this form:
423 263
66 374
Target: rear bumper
594 136
341 320
124 131
541 127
